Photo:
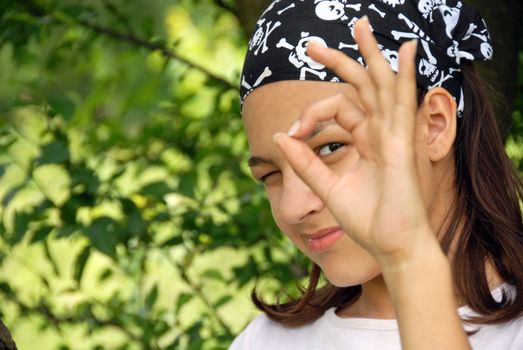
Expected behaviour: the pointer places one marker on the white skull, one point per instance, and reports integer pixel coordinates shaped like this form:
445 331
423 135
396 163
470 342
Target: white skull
393 3
425 6
487 50
453 50
428 70
392 57
256 38
301 51
451 18
330 10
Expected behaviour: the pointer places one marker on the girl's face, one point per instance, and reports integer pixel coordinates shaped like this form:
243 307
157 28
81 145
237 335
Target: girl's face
298 212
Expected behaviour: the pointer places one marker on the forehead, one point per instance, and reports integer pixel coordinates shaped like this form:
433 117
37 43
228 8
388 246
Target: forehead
274 107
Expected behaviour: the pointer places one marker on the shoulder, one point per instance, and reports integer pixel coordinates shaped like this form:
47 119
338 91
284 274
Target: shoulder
507 335
245 339
263 333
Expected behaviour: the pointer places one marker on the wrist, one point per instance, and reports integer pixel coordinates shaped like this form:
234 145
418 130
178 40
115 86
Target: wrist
422 254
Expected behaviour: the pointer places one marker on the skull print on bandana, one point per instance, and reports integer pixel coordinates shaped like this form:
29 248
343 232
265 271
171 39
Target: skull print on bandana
331 10
449 32
298 56
393 3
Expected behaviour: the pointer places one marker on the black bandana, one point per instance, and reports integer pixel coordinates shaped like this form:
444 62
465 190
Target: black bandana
448 31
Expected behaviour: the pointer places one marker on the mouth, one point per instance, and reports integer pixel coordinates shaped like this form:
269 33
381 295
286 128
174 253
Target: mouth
324 239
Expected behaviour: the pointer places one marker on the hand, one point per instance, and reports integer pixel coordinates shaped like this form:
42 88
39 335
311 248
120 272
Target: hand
378 202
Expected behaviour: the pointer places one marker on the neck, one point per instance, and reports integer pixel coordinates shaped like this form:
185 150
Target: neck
374 302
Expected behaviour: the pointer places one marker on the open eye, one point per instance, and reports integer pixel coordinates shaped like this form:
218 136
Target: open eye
329 148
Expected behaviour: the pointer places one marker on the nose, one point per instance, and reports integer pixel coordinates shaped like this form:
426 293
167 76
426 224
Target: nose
297 201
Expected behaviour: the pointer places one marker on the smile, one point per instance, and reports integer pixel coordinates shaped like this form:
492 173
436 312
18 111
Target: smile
323 239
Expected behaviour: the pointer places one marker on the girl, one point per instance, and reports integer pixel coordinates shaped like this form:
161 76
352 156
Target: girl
391 178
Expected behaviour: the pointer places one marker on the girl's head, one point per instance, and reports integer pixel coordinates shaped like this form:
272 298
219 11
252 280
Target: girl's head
472 211
298 211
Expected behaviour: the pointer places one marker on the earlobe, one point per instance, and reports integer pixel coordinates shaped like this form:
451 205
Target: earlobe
441 122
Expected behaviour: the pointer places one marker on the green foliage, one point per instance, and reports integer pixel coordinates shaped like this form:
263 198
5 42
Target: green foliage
126 204
129 218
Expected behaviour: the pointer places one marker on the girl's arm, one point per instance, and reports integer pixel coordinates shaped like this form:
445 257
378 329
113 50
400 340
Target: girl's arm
420 287
389 217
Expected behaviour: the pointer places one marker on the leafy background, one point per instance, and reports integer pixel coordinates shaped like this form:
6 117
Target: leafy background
129 219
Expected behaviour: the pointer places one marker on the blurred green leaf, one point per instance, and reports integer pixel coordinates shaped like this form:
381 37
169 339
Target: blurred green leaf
183 299
103 235
81 261
156 190
11 194
21 225
41 234
214 274
187 185
62 105
3 168
53 153
151 297
222 301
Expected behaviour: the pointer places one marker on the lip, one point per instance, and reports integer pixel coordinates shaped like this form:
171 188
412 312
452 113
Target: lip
323 239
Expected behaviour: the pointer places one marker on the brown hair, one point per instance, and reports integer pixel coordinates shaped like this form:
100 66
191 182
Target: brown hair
485 223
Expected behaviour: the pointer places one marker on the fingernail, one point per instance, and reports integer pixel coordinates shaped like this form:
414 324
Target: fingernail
365 19
365 23
294 128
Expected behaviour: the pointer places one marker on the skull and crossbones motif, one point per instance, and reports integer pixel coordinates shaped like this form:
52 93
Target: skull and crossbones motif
486 48
392 57
455 51
332 10
393 3
299 58
265 74
426 7
451 17
434 74
261 36
450 14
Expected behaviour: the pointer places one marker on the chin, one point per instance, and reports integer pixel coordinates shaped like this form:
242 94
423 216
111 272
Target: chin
349 272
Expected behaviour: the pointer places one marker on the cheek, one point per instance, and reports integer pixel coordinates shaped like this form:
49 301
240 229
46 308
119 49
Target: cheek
347 163
273 196
424 169
349 265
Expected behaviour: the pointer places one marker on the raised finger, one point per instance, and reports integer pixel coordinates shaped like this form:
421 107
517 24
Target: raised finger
378 67
349 71
338 107
318 176
406 101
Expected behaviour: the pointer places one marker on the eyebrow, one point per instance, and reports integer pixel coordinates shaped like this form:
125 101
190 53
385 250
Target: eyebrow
319 128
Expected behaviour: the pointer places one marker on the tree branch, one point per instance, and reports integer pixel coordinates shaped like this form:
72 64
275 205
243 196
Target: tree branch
227 7
37 11
135 40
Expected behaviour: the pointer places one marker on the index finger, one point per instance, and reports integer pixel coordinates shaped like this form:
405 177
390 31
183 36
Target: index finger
349 71
337 107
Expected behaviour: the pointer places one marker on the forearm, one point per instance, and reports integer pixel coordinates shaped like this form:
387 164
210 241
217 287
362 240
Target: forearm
420 286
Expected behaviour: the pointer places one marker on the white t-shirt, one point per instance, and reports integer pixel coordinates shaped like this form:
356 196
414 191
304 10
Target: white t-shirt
331 332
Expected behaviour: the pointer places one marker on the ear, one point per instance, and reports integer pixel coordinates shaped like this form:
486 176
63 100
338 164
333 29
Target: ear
439 110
